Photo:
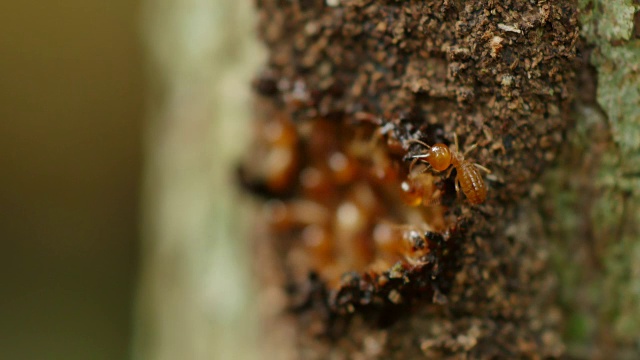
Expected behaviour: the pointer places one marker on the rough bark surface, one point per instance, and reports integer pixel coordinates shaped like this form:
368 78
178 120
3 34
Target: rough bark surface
499 75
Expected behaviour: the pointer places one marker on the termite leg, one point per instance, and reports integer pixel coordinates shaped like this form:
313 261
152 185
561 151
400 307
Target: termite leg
457 186
449 172
482 168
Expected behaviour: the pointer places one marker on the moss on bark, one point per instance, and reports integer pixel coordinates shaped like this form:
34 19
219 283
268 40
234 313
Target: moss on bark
594 192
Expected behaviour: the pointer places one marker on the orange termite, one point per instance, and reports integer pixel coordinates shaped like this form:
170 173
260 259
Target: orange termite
441 157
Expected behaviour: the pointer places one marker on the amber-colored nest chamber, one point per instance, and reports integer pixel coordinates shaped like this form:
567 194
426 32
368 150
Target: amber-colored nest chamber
345 205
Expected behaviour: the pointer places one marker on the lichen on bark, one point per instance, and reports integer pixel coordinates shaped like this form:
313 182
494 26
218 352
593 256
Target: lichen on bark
595 190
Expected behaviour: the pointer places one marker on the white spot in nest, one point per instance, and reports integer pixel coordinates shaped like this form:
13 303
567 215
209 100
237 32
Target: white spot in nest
333 3
405 186
349 216
278 160
311 28
338 162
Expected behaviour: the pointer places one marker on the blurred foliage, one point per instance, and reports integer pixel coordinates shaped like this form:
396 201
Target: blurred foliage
71 108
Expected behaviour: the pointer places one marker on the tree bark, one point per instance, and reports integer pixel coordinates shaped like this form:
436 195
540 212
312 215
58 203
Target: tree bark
546 267
591 205
195 295
459 280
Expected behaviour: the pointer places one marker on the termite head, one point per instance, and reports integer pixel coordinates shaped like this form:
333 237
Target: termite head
438 156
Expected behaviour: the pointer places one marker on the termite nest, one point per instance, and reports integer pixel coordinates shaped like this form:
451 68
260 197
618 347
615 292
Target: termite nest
352 227
353 212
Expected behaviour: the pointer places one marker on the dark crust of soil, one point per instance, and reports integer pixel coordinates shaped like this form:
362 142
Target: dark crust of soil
497 74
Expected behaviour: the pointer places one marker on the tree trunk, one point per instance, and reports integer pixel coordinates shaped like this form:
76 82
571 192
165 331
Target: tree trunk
528 273
591 206
195 299
350 265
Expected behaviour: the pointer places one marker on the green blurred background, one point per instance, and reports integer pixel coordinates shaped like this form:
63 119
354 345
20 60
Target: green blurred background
119 122
71 116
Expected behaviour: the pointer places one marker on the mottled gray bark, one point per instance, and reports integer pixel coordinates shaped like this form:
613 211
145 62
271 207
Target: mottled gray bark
194 293
593 194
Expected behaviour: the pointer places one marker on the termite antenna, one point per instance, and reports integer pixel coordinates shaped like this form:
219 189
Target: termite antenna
470 149
416 141
416 157
455 141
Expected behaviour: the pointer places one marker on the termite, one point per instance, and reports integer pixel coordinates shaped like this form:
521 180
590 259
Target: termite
441 157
